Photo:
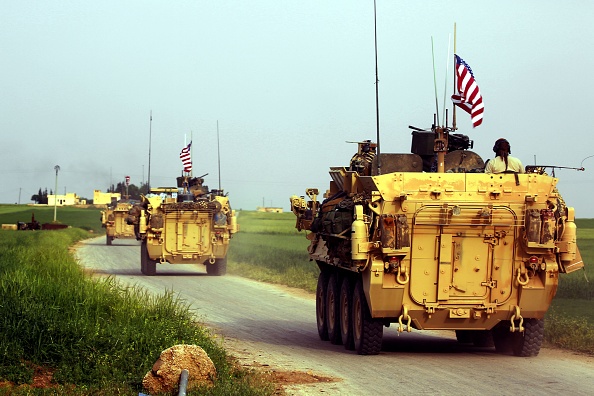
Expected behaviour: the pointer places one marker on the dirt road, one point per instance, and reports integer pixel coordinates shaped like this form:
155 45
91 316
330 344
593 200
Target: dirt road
274 327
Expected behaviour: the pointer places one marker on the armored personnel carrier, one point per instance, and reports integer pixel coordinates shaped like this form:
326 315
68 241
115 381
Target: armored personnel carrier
427 240
187 224
113 219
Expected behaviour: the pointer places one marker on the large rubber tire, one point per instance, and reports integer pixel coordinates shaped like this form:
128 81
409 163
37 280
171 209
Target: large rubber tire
147 266
502 338
108 240
464 336
528 343
346 313
367 332
218 268
482 338
321 306
332 309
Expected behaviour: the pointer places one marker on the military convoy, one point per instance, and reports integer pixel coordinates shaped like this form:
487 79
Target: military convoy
427 240
187 224
113 219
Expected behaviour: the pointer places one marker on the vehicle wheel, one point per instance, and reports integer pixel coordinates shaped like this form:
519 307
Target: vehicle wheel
321 306
528 343
218 268
346 318
108 240
147 266
502 338
367 332
332 310
464 336
482 338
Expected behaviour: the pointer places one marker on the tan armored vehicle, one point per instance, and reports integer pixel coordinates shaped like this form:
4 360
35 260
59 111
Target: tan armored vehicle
187 224
436 245
113 219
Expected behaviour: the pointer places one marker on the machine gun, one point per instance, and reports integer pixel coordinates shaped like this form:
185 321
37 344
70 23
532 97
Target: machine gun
540 169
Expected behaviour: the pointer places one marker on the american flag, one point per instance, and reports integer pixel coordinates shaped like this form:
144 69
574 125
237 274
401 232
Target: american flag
469 96
186 158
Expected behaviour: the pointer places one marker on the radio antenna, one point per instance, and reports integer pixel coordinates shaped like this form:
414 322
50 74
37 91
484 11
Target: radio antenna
434 83
379 165
148 183
219 154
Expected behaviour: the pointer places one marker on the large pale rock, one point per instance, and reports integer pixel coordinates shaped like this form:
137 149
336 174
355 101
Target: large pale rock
165 374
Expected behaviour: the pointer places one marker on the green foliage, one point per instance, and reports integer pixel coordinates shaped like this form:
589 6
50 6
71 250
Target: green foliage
93 332
269 248
568 324
580 284
133 191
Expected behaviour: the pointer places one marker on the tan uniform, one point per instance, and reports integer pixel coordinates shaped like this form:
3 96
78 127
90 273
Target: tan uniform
497 165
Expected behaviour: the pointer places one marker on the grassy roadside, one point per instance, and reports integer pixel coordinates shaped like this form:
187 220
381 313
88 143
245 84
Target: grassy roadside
93 333
269 248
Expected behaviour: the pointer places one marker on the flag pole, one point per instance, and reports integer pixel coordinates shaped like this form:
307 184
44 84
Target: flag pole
454 59
185 147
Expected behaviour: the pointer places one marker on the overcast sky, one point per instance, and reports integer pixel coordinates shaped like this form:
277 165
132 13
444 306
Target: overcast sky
288 83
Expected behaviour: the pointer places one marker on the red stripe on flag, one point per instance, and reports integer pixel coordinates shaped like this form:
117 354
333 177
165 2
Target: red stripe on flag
469 96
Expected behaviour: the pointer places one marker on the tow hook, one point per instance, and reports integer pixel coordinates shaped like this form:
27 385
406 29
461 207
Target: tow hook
517 316
406 317
405 279
522 276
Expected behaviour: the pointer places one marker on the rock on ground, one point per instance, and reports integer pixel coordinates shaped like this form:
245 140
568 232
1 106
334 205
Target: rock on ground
165 375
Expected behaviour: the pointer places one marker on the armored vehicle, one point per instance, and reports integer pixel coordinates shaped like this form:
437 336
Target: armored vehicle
113 219
187 224
427 240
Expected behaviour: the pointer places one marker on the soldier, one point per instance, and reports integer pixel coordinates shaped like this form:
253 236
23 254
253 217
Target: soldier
503 161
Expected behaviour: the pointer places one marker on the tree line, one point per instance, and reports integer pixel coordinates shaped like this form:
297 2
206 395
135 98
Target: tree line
130 192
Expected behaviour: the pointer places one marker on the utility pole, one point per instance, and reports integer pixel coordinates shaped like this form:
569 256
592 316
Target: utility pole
57 168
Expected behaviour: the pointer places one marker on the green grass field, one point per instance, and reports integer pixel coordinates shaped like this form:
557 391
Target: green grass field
87 219
268 248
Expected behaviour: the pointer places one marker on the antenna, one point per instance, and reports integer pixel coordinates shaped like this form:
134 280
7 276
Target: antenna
148 183
582 163
434 82
219 154
445 88
379 165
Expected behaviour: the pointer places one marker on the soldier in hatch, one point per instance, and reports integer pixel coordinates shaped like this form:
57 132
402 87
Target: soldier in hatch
503 161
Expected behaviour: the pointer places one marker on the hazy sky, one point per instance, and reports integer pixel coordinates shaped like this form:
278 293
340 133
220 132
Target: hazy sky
288 83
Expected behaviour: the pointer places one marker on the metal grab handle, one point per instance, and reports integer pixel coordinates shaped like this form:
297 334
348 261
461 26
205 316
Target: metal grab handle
519 278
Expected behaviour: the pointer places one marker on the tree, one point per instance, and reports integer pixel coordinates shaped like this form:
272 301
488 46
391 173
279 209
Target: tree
40 197
133 190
